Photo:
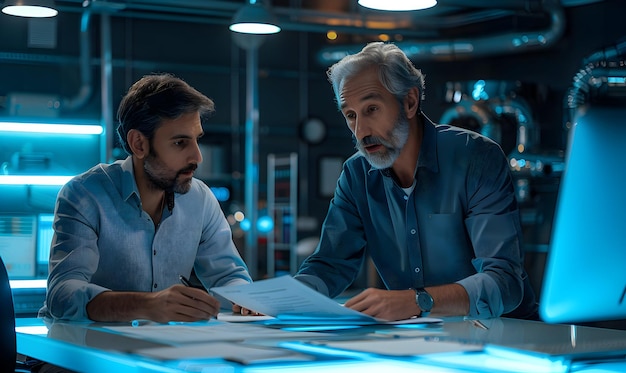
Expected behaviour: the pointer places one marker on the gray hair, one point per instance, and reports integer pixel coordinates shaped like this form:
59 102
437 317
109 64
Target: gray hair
397 73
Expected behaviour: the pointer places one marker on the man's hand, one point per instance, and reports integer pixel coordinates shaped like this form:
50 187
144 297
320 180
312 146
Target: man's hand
385 304
450 300
176 303
182 303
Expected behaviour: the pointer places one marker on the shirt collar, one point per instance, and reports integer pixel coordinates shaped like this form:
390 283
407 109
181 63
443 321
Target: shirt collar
428 150
129 185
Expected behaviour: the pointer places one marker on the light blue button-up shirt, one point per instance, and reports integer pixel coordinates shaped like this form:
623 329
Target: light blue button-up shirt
104 240
460 224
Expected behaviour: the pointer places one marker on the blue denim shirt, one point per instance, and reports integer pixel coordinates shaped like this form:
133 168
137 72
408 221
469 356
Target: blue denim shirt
460 224
104 240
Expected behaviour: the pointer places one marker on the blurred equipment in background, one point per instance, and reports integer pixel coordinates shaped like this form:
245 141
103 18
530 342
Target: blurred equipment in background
494 109
501 111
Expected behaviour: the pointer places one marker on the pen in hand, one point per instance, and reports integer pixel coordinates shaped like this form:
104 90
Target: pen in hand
187 283
184 281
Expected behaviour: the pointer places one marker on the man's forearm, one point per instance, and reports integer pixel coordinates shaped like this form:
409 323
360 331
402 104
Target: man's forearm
119 306
449 300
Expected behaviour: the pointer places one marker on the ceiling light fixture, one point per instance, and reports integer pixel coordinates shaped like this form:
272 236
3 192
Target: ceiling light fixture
398 5
254 18
30 8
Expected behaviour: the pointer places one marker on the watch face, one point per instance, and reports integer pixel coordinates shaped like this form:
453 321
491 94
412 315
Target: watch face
424 301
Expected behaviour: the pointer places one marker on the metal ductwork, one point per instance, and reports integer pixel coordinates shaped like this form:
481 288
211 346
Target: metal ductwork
495 110
51 105
602 79
86 88
456 48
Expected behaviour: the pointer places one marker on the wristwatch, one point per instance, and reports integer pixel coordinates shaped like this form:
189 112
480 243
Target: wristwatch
424 301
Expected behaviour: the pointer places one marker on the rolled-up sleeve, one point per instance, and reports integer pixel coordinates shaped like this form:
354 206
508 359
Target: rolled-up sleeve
494 229
74 255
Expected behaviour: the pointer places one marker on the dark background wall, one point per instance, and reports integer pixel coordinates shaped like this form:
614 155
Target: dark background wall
292 83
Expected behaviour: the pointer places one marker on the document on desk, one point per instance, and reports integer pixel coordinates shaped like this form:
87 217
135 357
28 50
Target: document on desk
290 301
209 331
387 346
238 352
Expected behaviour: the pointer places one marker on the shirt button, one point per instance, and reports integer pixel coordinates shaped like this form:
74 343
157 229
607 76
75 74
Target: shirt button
155 286
413 231
417 270
406 198
154 252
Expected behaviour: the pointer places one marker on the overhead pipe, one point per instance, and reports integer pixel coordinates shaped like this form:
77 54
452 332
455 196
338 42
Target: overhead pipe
86 88
603 76
294 18
448 49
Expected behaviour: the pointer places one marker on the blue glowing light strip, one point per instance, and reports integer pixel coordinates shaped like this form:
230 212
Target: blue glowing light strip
28 284
33 180
78 129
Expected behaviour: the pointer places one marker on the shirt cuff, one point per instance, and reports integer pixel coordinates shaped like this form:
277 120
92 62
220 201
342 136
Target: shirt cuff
485 299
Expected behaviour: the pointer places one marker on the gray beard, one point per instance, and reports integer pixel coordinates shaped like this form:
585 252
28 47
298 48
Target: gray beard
397 139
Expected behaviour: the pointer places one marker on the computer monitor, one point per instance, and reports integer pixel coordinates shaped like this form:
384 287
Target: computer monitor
18 234
44 238
585 275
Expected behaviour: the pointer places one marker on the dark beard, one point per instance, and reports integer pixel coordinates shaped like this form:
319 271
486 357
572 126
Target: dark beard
156 175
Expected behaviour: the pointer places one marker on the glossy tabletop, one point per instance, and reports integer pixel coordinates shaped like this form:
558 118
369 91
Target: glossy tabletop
455 345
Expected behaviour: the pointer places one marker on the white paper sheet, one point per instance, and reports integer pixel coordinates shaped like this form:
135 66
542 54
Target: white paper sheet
233 317
392 346
290 301
238 352
212 331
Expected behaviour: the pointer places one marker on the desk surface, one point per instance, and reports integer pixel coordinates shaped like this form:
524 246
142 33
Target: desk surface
456 345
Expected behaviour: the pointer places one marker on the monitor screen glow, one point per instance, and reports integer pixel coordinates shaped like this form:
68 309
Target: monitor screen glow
585 276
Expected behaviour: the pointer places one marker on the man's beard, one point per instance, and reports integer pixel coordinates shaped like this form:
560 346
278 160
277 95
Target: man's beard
161 178
393 145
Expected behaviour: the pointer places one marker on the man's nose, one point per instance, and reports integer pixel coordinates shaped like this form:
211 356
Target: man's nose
197 154
361 129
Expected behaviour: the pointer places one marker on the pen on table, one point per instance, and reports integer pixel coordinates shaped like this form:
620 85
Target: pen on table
143 322
140 322
478 324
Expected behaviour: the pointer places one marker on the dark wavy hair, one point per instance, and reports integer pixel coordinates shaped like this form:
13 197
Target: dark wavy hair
155 98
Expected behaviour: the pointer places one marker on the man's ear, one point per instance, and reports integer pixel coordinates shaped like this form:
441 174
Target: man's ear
412 102
138 143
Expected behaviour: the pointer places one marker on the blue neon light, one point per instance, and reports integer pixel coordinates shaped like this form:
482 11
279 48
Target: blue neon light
33 180
78 129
